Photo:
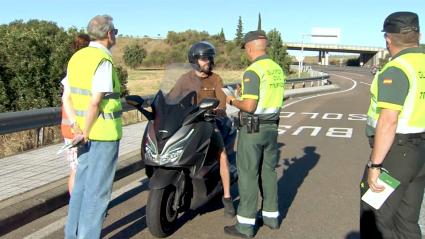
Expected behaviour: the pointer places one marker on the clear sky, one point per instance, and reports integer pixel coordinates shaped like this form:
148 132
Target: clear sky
360 21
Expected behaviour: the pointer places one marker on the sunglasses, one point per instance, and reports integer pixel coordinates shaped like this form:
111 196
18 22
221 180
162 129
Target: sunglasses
114 31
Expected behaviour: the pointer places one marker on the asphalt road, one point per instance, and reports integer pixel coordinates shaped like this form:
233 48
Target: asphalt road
323 153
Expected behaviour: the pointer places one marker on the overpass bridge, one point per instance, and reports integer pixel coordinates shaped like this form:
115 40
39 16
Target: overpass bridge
368 55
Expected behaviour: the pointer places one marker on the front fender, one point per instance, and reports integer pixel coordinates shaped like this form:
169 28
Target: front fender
161 178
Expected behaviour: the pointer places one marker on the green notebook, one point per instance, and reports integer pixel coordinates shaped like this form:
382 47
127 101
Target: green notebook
376 199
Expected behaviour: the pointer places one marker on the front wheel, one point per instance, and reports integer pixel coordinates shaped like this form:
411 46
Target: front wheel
160 215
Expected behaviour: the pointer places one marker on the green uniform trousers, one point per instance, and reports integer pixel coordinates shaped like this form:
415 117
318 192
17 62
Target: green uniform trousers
398 216
257 153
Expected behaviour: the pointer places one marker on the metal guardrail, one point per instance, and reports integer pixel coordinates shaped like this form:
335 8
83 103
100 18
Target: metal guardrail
11 122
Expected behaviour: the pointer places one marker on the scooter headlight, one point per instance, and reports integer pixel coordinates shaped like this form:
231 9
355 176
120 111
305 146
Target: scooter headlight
173 152
151 152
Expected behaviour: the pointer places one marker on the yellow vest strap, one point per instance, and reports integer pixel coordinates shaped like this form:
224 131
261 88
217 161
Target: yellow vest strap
106 116
79 91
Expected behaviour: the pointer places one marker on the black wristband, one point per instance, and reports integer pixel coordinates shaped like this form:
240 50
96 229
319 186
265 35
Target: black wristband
373 165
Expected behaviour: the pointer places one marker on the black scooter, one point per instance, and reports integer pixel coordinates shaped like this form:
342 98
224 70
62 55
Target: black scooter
179 158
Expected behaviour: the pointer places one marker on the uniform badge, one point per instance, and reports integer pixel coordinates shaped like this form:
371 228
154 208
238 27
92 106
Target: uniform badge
387 81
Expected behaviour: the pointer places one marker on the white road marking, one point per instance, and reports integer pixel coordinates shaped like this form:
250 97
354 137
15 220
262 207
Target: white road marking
330 93
365 83
57 225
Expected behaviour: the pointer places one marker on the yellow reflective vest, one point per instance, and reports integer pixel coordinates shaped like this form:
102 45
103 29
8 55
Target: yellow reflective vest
81 69
272 85
412 114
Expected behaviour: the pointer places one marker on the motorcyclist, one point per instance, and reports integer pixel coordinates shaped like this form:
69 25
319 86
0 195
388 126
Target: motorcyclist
208 84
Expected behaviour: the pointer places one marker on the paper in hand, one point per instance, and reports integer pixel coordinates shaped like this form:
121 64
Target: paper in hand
376 199
77 140
229 91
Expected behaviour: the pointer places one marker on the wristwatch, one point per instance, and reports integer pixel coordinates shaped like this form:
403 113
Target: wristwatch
373 165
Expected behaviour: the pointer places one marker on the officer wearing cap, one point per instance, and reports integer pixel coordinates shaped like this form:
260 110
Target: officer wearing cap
257 150
396 131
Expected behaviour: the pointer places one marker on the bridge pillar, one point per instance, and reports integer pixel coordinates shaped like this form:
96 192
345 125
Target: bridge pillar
326 58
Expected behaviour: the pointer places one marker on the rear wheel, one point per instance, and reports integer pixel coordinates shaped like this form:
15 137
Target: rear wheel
160 215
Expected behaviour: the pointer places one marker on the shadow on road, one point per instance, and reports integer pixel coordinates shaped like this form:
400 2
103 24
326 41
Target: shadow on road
294 172
353 235
135 220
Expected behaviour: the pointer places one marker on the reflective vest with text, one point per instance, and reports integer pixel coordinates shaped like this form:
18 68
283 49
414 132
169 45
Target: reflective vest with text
411 118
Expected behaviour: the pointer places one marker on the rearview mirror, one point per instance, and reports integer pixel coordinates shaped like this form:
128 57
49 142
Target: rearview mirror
134 100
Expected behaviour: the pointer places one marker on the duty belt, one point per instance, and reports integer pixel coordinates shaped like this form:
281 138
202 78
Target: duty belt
401 139
269 121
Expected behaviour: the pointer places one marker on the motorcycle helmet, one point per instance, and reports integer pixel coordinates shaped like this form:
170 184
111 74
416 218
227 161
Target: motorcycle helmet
202 49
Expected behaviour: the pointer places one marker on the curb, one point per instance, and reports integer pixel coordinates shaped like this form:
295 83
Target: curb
310 91
30 206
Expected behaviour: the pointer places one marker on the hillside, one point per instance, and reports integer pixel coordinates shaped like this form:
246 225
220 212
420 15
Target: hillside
148 44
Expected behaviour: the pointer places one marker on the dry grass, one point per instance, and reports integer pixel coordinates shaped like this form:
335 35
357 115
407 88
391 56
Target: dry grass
29 139
148 44
146 82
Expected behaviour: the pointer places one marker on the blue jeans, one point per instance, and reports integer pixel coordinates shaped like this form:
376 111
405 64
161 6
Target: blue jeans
422 216
92 189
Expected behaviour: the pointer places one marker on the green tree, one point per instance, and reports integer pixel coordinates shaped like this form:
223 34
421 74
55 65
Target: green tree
123 77
277 51
259 22
33 56
4 102
221 36
133 55
239 32
353 62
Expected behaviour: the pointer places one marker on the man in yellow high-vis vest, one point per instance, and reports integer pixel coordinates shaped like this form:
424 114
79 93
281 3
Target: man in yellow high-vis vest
257 151
95 99
396 131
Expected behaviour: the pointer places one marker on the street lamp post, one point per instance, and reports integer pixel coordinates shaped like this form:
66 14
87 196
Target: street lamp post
301 57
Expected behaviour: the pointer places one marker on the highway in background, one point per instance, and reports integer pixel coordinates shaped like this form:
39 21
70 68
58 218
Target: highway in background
323 153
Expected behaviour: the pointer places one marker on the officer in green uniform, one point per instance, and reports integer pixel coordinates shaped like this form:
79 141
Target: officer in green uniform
396 126
257 151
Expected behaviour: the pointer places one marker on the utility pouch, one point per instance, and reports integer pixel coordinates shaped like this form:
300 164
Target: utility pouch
255 123
249 125
243 119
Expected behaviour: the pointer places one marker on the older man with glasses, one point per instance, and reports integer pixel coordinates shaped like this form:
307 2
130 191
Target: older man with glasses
95 100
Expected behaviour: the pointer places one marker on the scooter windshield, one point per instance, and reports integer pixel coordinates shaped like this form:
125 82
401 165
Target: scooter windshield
175 100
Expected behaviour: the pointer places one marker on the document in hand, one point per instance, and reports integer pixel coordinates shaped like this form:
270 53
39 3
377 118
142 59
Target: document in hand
74 143
229 91
375 199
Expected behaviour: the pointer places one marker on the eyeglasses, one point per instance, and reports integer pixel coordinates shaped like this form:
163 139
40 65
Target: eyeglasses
114 31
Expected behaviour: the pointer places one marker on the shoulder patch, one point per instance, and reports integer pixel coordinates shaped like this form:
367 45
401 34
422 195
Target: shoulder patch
387 81
246 79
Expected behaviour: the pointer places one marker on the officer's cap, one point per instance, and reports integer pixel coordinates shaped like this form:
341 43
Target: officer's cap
401 22
253 35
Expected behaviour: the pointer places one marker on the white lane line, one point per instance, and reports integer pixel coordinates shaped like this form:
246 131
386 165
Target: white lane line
356 74
330 93
57 225
365 83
